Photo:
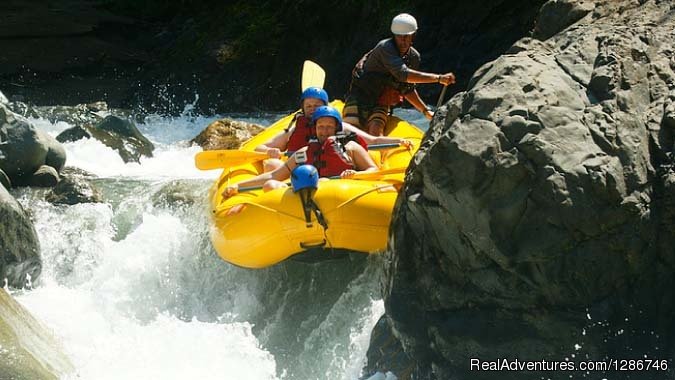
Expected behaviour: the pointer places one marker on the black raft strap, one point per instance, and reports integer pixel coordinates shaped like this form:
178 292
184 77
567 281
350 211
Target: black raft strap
309 206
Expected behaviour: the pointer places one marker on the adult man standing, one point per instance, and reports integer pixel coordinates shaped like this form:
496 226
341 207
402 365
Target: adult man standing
385 76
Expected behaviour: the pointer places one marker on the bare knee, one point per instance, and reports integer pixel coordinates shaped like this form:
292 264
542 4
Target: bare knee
376 127
352 120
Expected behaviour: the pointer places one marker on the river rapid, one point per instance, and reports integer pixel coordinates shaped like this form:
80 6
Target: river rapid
134 290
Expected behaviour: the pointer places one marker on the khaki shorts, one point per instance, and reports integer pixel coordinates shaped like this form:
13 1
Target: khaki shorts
364 114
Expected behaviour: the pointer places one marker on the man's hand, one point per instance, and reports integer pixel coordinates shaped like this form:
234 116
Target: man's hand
230 191
407 143
446 79
349 173
274 152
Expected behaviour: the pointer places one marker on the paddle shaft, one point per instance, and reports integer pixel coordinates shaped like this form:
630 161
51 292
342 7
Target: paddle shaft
370 147
289 153
214 159
440 98
356 176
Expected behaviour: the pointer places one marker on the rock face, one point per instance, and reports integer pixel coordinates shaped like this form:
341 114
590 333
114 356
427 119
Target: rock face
24 148
226 134
19 245
70 53
537 221
29 350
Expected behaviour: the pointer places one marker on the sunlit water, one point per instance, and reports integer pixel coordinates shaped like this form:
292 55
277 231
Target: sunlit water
134 290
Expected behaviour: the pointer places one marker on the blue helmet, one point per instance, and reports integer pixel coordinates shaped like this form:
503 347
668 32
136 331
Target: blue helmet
316 93
328 111
303 177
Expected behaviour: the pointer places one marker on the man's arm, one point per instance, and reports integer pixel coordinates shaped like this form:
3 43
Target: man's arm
415 76
362 160
370 139
414 98
274 146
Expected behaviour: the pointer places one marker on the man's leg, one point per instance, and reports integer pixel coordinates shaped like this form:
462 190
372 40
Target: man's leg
350 113
377 120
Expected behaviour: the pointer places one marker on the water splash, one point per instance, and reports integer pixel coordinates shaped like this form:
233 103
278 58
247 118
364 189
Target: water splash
147 297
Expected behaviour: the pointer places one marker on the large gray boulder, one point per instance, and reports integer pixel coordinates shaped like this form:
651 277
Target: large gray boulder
19 245
24 148
538 218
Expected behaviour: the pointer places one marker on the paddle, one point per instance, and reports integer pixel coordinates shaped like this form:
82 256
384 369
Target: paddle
440 98
360 176
312 75
218 159
374 175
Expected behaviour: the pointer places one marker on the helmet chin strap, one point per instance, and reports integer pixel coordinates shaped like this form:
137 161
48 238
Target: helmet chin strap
309 206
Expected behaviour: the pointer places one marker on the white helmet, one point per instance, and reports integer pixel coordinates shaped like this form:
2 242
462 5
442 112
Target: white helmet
403 24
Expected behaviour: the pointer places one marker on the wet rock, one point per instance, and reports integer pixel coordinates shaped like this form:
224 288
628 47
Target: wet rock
45 176
177 193
3 98
25 148
23 109
93 120
73 134
385 353
71 171
123 136
73 190
77 115
4 180
536 221
226 134
29 349
19 245
556 15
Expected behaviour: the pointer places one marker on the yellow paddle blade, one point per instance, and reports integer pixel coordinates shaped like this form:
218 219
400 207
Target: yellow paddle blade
218 159
312 75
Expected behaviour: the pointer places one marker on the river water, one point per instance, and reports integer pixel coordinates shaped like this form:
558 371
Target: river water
134 290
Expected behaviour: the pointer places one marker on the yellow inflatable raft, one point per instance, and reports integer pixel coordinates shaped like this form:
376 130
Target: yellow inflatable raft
256 229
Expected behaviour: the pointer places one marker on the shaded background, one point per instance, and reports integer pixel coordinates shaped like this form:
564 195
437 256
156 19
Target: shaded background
236 55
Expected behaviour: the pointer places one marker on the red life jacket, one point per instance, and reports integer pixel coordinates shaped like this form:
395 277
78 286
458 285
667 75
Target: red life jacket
303 132
329 158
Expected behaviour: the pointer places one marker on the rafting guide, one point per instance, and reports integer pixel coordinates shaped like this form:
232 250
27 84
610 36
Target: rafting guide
387 75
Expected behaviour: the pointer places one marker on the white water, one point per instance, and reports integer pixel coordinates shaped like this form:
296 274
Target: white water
134 290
